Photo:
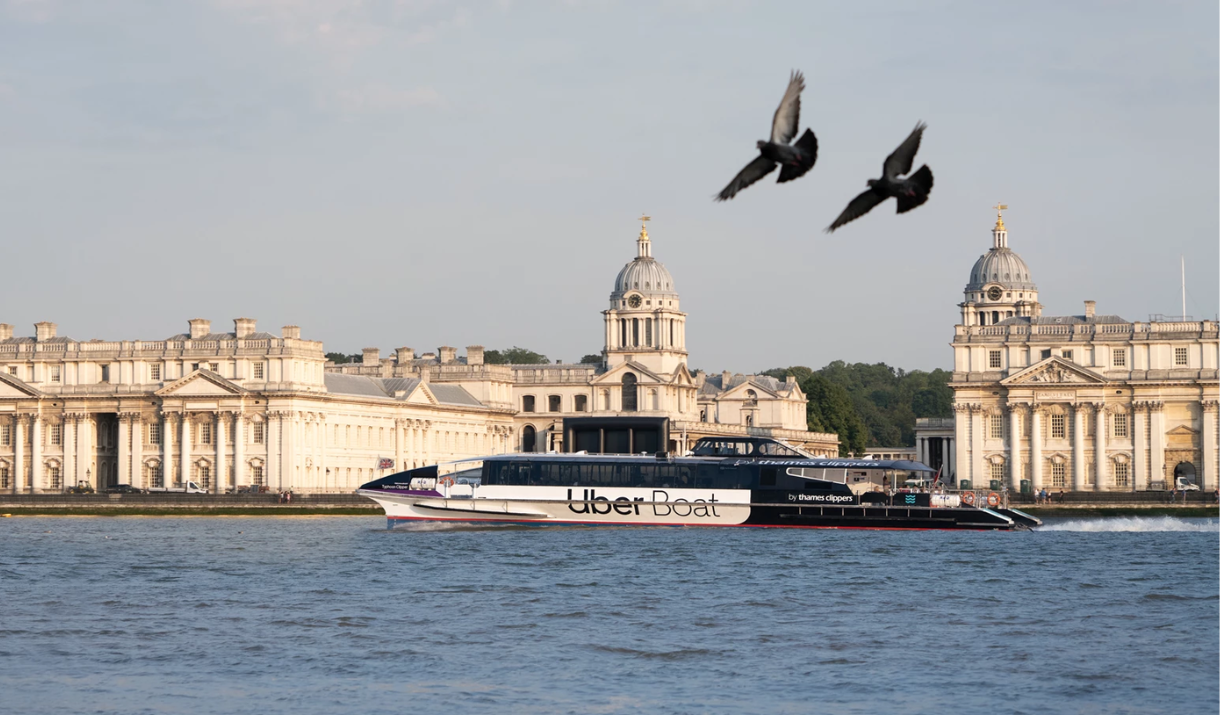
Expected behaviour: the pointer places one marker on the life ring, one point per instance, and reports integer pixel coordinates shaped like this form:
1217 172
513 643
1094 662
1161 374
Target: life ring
447 481
993 499
968 498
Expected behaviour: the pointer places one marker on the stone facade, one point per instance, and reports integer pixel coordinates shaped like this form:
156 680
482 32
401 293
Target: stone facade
1079 403
230 410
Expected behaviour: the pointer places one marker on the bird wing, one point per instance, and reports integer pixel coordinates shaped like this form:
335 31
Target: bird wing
754 171
788 115
859 206
900 161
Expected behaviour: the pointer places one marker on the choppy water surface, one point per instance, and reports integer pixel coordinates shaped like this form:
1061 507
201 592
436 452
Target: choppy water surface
339 615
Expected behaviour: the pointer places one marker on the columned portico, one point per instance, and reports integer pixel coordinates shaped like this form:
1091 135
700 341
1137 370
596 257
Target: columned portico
21 425
239 448
1208 473
1156 470
184 449
124 476
167 449
36 453
1140 442
137 450
222 472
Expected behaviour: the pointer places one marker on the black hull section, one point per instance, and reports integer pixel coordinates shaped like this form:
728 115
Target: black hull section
853 516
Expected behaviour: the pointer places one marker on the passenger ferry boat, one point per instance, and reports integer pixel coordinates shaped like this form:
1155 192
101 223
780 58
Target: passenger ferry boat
743 481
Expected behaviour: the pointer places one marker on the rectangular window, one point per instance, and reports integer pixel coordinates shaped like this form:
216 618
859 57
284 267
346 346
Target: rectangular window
154 434
1122 474
12 370
997 472
994 358
258 371
4 477
1179 356
582 403
105 373
56 373
1046 354
1119 358
997 426
259 434
56 477
256 475
56 434
214 367
6 435
1058 475
205 433
553 403
154 373
1067 354
1058 427
1120 425
527 403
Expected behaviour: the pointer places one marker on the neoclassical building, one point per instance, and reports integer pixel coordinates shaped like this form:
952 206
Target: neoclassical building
252 408
1074 402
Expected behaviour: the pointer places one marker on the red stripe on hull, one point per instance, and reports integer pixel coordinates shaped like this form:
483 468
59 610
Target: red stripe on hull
701 526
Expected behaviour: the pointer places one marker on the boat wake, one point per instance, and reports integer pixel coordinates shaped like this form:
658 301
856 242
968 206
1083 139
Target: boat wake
1136 523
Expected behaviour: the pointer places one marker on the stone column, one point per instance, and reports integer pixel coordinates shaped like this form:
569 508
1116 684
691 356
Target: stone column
946 468
1139 471
1078 475
323 474
222 469
69 437
961 427
137 450
275 449
1035 448
978 475
184 448
167 449
86 436
1102 481
239 448
1208 474
1156 469
1014 448
399 450
20 425
36 454
124 448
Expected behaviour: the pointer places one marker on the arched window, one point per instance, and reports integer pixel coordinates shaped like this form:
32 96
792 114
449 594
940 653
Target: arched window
529 438
630 392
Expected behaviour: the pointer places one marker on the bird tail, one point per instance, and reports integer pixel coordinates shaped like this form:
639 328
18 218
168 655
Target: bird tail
921 183
807 145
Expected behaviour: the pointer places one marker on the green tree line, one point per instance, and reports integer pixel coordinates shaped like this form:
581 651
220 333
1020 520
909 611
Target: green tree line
870 405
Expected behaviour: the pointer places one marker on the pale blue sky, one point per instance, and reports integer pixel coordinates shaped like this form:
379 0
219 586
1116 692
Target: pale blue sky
428 173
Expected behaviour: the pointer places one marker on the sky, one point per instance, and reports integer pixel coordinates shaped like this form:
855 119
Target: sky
424 173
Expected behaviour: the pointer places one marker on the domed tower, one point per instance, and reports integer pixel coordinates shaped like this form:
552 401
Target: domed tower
644 323
1000 286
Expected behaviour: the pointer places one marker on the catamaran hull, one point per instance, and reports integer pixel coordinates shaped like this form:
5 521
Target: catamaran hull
675 507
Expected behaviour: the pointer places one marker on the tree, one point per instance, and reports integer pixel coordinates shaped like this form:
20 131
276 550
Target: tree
340 358
514 356
591 359
830 409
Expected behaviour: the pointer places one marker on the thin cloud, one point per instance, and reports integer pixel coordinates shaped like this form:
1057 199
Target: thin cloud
380 98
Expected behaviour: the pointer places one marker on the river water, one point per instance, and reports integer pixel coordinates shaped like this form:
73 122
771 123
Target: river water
340 615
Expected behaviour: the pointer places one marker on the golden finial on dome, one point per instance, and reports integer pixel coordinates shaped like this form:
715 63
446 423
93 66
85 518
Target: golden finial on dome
644 219
999 217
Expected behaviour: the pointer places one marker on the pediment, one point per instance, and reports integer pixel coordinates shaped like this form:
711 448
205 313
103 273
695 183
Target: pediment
738 392
1182 430
643 375
12 387
682 376
1053 371
421 395
201 383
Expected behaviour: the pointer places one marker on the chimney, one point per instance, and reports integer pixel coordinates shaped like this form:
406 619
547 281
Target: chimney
6 331
474 354
292 331
789 379
372 356
1090 308
448 354
405 355
243 326
44 331
199 328
724 379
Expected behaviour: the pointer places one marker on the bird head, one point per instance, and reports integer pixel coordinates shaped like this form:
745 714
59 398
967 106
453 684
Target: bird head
760 144
872 183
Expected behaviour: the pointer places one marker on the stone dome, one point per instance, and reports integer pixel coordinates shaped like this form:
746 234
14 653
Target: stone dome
645 275
1000 265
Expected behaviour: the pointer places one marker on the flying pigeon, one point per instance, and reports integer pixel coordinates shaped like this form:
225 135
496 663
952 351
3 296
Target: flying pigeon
909 192
796 158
